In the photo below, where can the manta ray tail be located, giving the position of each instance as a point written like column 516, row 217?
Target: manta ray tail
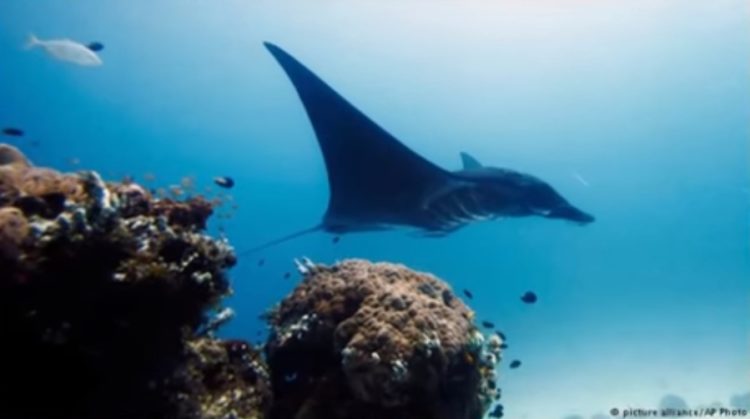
column 281, row 240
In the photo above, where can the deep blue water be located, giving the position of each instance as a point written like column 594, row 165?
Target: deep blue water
column 647, row 100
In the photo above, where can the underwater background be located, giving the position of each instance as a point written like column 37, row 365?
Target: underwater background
column 637, row 111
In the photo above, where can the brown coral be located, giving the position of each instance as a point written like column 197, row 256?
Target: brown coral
column 40, row 181
column 34, row 190
column 100, row 294
column 13, row 231
column 11, row 156
column 379, row 339
column 12, row 164
column 192, row 213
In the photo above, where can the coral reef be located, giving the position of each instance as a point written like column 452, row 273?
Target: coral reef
column 221, row 380
column 110, row 297
column 363, row 340
column 104, row 292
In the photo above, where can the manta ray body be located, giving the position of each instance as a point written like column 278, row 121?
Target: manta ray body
column 377, row 183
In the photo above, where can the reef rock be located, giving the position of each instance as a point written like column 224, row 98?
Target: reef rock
column 104, row 291
column 359, row 340
column 221, row 380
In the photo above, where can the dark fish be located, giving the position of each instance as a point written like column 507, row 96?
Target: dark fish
column 488, row 325
column 501, row 334
column 287, row 275
column 95, row 46
column 503, row 346
column 468, row 294
column 224, row 181
column 447, row 297
column 497, row 412
column 261, row 262
column 529, row 297
column 336, row 239
column 515, row 364
column 13, row 132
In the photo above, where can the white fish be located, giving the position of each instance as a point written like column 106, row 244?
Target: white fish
column 580, row 179
column 66, row 50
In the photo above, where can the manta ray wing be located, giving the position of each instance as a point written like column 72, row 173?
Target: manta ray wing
column 374, row 179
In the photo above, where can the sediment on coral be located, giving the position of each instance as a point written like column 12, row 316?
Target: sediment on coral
column 102, row 291
column 363, row 340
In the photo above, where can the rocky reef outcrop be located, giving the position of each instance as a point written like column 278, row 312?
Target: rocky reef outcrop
column 109, row 297
column 105, row 298
column 377, row 340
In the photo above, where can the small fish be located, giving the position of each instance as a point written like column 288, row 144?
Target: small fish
column 187, row 183
column 515, row 364
column 74, row 161
column 580, row 179
column 287, row 275
column 175, row 191
column 261, row 262
column 503, row 346
column 501, row 334
column 224, row 181
column 95, row 46
column 488, row 325
column 220, row 319
column 13, row 132
column 336, row 239
column 468, row 294
column 66, row 50
column 529, row 297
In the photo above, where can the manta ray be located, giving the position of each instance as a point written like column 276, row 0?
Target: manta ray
column 377, row 183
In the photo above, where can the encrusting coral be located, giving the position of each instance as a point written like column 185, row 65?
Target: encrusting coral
column 363, row 340
column 103, row 292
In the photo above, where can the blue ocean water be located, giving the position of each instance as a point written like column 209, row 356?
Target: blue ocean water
column 645, row 100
